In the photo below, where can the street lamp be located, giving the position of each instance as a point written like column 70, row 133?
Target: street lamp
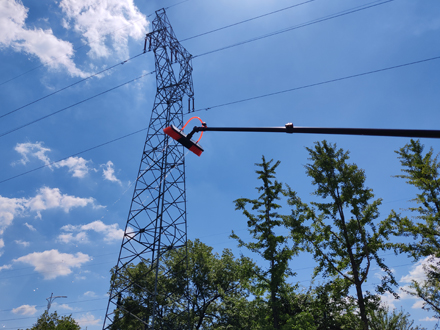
column 51, row 299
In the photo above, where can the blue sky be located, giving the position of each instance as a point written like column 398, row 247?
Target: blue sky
column 60, row 226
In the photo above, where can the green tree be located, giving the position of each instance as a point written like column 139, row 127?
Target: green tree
column 203, row 287
column 383, row 319
column 271, row 247
column 342, row 236
column 54, row 322
column 421, row 171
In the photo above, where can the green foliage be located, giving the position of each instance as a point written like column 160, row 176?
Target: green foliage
column 203, row 287
column 383, row 319
column 54, row 322
column 421, row 171
column 342, row 236
column 429, row 289
column 270, row 246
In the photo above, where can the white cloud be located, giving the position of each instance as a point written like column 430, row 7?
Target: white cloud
column 387, row 300
column 45, row 199
column 25, row 310
column 23, row 243
column 51, row 198
column 70, row 238
column 90, row 294
column 110, row 232
column 5, row 267
column 32, row 228
column 34, row 150
column 104, row 22
column 109, row 173
column 9, row 209
column 52, row 263
column 87, row 319
column 77, row 166
column 429, row 319
column 418, row 304
column 417, row 273
column 52, row 52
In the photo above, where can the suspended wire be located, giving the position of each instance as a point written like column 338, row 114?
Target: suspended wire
column 319, row 20
column 176, row 4
column 73, row 155
column 235, row 102
column 75, row 83
column 75, row 104
column 77, row 48
column 320, row 83
column 220, row 49
column 247, row 20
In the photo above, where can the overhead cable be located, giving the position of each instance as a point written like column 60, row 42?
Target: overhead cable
column 72, row 105
column 241, row 101
column 75, row 83
column 223, row 48
column 247, row 20
column 320, row 83
column 319, row 20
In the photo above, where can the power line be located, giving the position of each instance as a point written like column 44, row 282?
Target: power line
column 224, row 104
column 76, row 154
column 75, row 83
column 319, row 20
column 320, row 83
column 350, row 11
column 247, row 20
column 76, row 48
column 72, row 105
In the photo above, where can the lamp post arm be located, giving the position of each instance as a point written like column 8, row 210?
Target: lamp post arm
column 289, row 128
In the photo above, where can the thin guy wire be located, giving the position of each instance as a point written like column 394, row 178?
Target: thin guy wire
column 319, row 83
column 72, row 105
column 73, row 155
column 247, row 20
column 220, row 49
column 75, row 83
column 245, row 100
column 77, row 48
column 347, row 12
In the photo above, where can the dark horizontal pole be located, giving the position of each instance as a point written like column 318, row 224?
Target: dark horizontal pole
column 414, row 133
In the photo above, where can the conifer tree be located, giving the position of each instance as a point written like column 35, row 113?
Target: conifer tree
column 273, row 248
column 342, row 235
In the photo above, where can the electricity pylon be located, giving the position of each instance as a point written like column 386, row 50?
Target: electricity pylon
column 156, row 224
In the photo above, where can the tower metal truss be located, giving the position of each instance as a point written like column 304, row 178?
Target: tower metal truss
column 156, row 229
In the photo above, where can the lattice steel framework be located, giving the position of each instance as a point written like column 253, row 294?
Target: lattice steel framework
column 156, row 224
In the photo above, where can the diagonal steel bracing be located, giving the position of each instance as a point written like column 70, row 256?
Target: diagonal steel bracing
column 156, row 224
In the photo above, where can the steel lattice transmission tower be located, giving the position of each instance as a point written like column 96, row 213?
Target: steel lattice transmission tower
column 156, row 225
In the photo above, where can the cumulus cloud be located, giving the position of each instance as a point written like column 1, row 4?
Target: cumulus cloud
column 105, row 22
column 51, row 198
column 110, row 232
column 22, row 243
column 51, row 51
column 429, row 319
column 25, row 310
column 36, row 150
column 5, row 267
column 45, row 199
column 109, row 173
column 76, row 165
column 88, row 319
column 9, row 209
column 30, row 227
column 52, row 263
column 90, row 294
